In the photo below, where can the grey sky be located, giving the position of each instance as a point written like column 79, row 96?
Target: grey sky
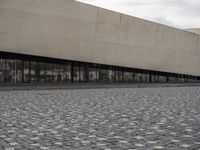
column 176, row 13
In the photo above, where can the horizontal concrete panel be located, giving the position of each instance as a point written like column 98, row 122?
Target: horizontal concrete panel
column 49, row 26
column 9, row 42
column 140, row 56
column 107, row 16
column 67, row 8
column 194, row 30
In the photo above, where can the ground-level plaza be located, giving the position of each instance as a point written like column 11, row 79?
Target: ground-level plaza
column 101, row 119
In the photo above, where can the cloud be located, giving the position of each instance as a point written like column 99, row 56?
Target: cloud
column 176, row 13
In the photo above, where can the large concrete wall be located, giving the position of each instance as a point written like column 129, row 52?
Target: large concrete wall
column 194, row 30
column 71, row 30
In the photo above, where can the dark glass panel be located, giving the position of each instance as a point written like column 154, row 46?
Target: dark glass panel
column 181, row 78
column 10, row 72
column 82, row 74
column 133, row 77
column 63, row 73
column 105, row 75
column 42, row 72
column 164, row 78
column 69, row 66
column 116, row 75
column 136, row 77
column 26, row 71
column 2, row 70
column 120, row 76
column 57, row 76
column 126, row 76
column 100, row 73
column 18, row 71
column 111, row 72
column 129, row 77
column 76, row 72
column 92, row 74
column 186, row 79
column 143, row 77
column 33, row 72
column 156, row 78
column 49, row 72
column 146, row 76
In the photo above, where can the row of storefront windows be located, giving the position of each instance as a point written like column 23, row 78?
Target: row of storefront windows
column 23, row 71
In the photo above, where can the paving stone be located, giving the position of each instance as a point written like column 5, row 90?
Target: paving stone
column 11, row 148
column 109, row 119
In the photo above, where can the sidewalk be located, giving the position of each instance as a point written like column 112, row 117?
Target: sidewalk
column 54, row 86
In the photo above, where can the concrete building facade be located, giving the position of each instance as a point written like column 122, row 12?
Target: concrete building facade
column 68, row 41
column 194, row 30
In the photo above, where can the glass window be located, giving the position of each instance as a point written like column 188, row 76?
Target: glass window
column 136, row 77
column 33, row 72
column 18, row 71
column 116, row 75
column 105, row 74
column 69, row 75
column 147, row 79
column 57, row 76
column 76, row 72
column 2, row 70
column 49, row 72
column 120, row 76
column 42, row 72
column 92, row 74
column 129, row 77
column 111, row 75
column 126, row 77
column 26, row 71
column 63, row 73
column 82, row 73
column 133, row 77
column 163, row 78
column 98, row 74
column 10, row 71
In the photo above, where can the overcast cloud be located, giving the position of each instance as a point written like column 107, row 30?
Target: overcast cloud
column 176, row 13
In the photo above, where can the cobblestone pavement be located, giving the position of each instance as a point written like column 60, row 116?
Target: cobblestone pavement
column 103, row 119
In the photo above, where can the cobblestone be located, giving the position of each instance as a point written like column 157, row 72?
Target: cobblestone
column 101, row 119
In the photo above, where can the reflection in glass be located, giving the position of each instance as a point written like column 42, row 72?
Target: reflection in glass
column 82, row 73
column 49, row 72
column 76, row 72
column 57, row 76
column 18, row 71
column 33, row 72
column 92, row 74
column 41, row 72
column 69, row 65
column 2, row 70
column 10, row 71
column 63, row 73
column 26, row 71
column 120, row 76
